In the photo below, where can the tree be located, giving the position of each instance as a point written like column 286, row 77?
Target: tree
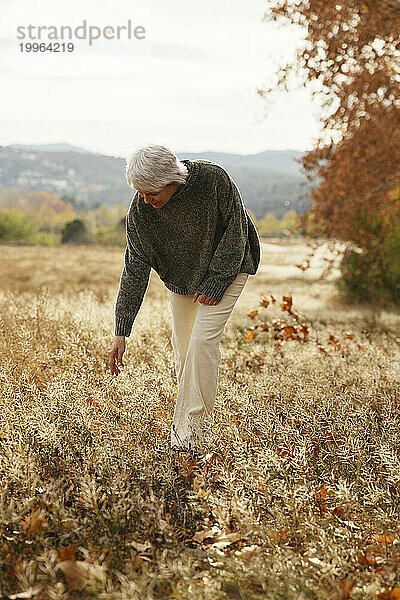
column 289, row 220
column 75, row 232
column 269, row 225
column 15, row 225
column 351, row 57
column 45, row 209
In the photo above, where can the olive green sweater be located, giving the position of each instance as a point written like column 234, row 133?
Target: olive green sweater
column 199, row 241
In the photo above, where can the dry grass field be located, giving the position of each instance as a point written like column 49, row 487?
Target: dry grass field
column 299, row 497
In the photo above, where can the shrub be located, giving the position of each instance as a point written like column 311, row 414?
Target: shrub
column 75, row 232
column 110, row 236
column 373, row 274
column 391, row 257
column 14, row 225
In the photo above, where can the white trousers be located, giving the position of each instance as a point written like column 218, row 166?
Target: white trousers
column 196, row 333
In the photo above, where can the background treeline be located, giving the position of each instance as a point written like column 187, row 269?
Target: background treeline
column 270, row 181
column 41, row 217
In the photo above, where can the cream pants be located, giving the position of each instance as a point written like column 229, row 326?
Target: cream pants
column 196, row 333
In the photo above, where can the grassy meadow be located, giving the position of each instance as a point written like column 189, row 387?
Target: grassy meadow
column 299, row 497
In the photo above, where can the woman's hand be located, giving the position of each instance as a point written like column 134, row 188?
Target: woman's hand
column 204, row 299
column 115, row 354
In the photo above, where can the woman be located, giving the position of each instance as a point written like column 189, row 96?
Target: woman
column 187, row 221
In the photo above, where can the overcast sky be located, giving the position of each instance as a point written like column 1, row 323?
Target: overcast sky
column 189, row 84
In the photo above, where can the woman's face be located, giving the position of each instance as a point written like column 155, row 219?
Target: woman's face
column 158, row 199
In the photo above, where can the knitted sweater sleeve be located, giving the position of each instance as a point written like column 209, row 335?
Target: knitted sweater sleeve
column 133, row 282
column 228, row 256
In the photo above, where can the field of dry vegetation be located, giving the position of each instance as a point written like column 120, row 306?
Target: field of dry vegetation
column 299, row 497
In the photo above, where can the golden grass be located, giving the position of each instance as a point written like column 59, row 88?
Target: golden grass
column 300, row 498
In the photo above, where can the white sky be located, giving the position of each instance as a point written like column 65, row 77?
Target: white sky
column 190, row 84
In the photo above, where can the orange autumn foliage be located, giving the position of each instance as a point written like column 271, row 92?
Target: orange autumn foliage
column 351, row 57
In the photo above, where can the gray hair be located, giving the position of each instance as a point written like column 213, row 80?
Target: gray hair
column 152, row 167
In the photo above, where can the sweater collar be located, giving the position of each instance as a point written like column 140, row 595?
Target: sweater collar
column 193, row 167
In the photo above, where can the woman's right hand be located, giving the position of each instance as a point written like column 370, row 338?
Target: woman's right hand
column 115, row 354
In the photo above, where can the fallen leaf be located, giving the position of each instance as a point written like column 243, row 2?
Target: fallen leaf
column 338, row 510
column 366, row 558
column 34, row 522
column 252, row 314
column 66, row 553
column 389, row 594
column 319, row 498
column 345, row 588
column 383, row 539
column 277, row 535
column 282, row 534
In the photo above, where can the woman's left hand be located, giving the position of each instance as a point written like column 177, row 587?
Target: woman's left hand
column 203, row 299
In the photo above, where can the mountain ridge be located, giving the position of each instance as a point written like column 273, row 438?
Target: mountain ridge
column 269, row 181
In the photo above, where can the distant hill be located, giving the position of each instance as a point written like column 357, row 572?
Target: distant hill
column 281, row 161
column 269, row 181
column 49, row 147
